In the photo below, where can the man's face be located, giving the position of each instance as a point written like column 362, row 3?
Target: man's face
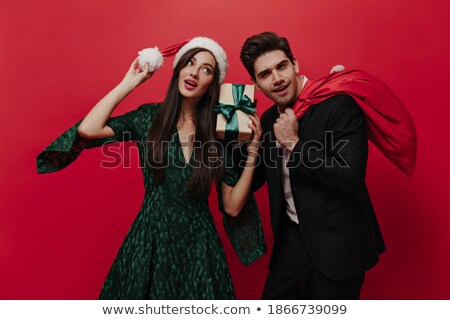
column 275, row 76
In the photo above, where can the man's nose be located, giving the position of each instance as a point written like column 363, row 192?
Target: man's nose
column 276, row 76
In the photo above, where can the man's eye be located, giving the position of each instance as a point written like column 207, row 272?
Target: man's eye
column 283, row 66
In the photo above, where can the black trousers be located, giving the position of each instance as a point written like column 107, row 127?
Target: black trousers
column 294, row 276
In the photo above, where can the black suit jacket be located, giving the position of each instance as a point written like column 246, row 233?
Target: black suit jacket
column 327, row 175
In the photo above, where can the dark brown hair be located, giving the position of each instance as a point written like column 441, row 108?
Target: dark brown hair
column 259, row 44
column 204, row 170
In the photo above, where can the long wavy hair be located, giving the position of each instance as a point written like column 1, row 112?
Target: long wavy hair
column 204, row 170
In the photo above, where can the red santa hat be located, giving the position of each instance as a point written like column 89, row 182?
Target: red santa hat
column 155, row 58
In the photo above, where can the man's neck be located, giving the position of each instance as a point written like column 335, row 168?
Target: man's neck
column 300, row 83
column 281, row 109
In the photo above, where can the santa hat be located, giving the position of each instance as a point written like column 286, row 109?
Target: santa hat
column 155, row 58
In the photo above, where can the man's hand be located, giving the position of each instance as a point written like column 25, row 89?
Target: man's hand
column 286, row 129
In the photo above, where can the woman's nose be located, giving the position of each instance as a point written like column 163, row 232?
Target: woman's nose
column 193, row 72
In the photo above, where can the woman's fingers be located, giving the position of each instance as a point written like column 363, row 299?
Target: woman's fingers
column 135, row 65
column 255, row 121
column 146, row 67
column 256, row 127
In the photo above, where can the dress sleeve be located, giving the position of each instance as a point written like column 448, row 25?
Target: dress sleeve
column 245, row 230
column 230, row 174
column 131, row 126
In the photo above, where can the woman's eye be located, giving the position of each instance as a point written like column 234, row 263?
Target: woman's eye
column 206, row 70
column 190, row 63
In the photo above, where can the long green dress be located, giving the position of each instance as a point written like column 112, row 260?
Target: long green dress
column 172, row 250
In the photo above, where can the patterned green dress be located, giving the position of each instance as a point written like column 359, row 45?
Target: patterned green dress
column 172, row 250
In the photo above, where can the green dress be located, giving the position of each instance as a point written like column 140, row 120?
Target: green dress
column 172, row 250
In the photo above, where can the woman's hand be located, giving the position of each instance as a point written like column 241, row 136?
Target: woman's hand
column 253, row 144
column 135, row 76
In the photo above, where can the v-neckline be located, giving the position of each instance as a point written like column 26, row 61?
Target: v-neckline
column 181, row 147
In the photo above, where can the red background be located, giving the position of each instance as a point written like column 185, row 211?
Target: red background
column 60, row 232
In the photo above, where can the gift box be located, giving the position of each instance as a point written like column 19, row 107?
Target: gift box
column 236, row 102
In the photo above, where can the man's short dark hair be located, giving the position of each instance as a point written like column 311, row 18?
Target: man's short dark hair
column 259, row 44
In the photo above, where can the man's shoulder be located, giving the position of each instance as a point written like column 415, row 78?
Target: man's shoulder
column 338, row 103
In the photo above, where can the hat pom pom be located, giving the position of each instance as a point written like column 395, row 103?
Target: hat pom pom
column 152, row 56
column 337, row 68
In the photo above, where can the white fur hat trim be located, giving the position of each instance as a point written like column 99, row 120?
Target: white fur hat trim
column 210, row 45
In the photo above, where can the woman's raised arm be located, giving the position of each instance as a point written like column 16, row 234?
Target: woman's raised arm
column 94, row 124
column 234, row 198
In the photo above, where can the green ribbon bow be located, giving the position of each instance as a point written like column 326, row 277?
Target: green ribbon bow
column 241, row 102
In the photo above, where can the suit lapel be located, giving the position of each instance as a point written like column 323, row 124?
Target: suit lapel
column 275, row 152
column 303, row 121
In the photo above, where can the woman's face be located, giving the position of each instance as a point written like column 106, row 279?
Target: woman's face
column 196, row 77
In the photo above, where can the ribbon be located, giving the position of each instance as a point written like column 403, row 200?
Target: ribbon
column 241, row 102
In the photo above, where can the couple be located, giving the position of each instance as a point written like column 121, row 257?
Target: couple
column 325, row 231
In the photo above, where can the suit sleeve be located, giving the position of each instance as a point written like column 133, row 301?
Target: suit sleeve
column 339, row 160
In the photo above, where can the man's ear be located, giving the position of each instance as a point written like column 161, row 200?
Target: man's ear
column 296, row 68
column 256, row 85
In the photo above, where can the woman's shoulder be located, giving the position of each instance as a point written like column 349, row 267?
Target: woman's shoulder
column 149, row 108
column 139, row 119
column 147, row 112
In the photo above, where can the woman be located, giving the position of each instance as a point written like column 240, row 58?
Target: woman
column 172, row 250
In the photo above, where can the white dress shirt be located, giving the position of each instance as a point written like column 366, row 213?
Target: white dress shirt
column 291, row 212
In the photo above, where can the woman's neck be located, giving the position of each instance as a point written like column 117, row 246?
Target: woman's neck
column 187, row 111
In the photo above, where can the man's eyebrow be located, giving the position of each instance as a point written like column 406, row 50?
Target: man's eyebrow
column 281, row 63
column 262, row 72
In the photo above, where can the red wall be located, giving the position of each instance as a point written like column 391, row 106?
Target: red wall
column 60, row 232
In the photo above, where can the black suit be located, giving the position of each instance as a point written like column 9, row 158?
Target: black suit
column 336, row 218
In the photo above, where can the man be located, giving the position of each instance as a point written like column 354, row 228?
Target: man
column 325, row 231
